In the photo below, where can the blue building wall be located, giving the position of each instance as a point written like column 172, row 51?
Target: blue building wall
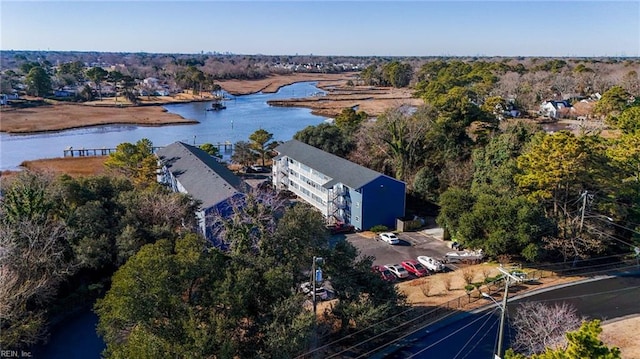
column 355, row 209
column 383, row 202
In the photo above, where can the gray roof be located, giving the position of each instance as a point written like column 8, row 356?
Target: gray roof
column 200, row 173
column 341, row 170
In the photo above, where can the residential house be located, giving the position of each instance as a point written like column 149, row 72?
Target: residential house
column 342, row 191
column 188, row 169
column 555, row 109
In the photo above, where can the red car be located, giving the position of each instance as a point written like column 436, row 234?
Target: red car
column 415, row 268
column 384, row 273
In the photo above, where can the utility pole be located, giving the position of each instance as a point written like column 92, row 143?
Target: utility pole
column 507, row 277
column 584, row 206
column 316, row 276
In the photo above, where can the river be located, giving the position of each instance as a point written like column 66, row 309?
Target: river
column 243, row 116
column 76, row 337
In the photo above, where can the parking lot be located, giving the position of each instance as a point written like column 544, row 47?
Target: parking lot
column 412, row 245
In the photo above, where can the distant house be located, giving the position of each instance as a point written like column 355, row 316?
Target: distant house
column 342, row 191
column 188, row 169
column 555, row 109
column 64, row 93
column 5, row 98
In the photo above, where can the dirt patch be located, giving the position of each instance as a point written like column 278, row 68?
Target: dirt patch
column 624, row 335
column 445, row 287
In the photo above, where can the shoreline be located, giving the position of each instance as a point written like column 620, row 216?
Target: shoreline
column 150, row 112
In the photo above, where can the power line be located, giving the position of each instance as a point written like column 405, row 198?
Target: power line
column 423, row 327
column 434, row 310
column 473, row 336
column 432, row 345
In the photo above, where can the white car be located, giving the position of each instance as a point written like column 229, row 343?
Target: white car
column 431, row 263
column 389, row 237
column 397, row 270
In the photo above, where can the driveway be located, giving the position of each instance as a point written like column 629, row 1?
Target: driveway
column 412, row 245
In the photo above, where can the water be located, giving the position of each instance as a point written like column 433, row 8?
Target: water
column 243, row 116
column 76, row 337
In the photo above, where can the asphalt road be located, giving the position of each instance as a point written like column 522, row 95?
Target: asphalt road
column 473, row 335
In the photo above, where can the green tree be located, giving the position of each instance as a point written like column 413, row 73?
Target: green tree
column 97, row 75
column 403, row 137
column 38, row 82
column 326, row 137
column 260, row 143
column 495, row 163
column 364, row 298
column 243, row 153
column 116, row 77
column 397, row 74
column 128, row 87
column 553, row 167
column 612, row 102
column 629, row 120
column 349, row 120
column 624, row 153
column 135, row 161
column 504, row 224
column 583, row 343
column 211, row 149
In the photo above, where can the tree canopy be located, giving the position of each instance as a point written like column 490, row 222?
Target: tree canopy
column 38, row 82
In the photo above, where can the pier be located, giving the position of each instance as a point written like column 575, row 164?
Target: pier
column 223, row 147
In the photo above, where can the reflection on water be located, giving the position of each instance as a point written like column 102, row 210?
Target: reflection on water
column 243, row 116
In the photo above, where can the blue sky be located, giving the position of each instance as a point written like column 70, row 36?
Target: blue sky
column 359, row 28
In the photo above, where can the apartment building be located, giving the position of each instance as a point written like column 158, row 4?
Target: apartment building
column 341, row 190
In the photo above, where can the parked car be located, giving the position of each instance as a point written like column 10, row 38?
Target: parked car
column 397, row 270
column 385, row 273
column 389, row 237
column 321, row 291
column 341, row 228
column 415, row 268
column 431, row 263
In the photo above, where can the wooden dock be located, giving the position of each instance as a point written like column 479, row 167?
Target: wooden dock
column 223, row 147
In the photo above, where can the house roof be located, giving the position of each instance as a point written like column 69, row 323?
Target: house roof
column 339, row 169
column 200, row 174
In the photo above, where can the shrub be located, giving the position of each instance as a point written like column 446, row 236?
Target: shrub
column 379, row 228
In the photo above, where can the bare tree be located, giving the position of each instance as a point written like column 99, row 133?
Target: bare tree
column 426, row 287
column 539, row 326
column 32, row 265
column 467, row 275
column 447, row 280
